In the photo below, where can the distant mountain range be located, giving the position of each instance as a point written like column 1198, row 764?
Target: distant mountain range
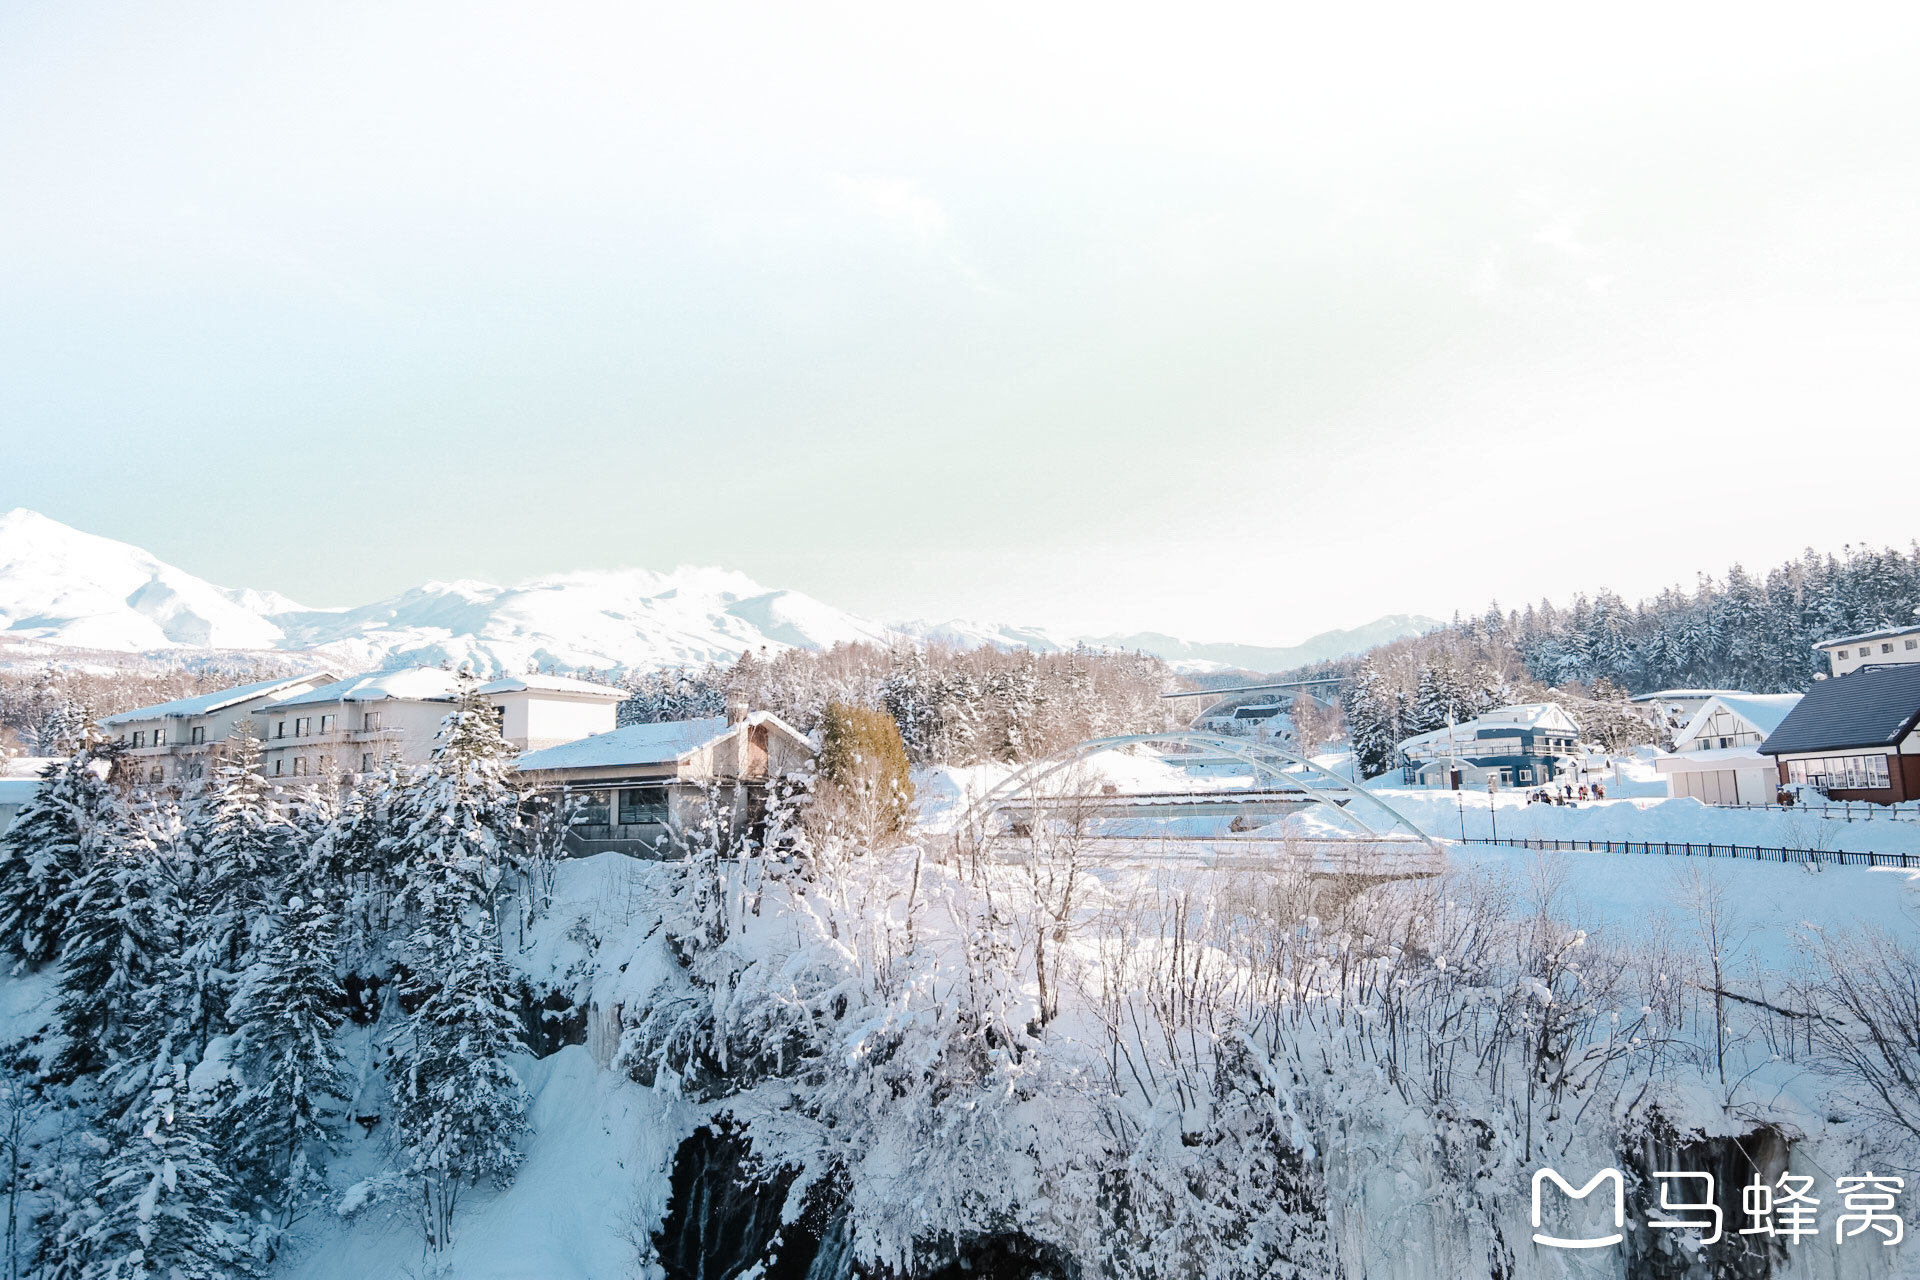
column 1184, row 655
column 62, row 587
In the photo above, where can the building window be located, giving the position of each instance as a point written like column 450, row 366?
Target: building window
column 140, row 739
column 302, row 725
column 299, row 766
column 276, row 767
column 1913, row 644
column 326, row 766
column 159, row 737
column 198, row 734
column 640, row 806
column 1886, row 648
column 370, row 721
column 159, row 774
column 280, row 729
column 1841, row 773
column 366, row 762
column 326, row 724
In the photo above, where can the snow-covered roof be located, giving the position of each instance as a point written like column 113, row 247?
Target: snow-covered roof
column 1763, row 711
column 553, row 684
column 635, row 744
column 415, row 684
column 1888, row 633
column 1680, row 695
column 1525, row 715
column 207, row 703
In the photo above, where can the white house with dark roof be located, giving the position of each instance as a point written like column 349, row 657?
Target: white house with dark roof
column 1893, row 646
column 168, row 742
column 352, row 725
column 1716, row 755
column 635, row 789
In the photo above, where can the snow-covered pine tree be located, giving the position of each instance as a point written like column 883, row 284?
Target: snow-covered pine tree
column 241, row 843
column 123, row 930
column 459, row 1107
column 457, row 816
column 286, row 1010
column 166, row 1207
column 1372, row 720
column 52, row 842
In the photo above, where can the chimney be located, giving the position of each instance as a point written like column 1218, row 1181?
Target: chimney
column 736, row 709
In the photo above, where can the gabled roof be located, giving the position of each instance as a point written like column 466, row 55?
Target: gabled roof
column 553, row 684
column 219, row 700
column 1764, row 711
column 636, row 744
column 417, row 684
column 1873, row 707
column 646, row 744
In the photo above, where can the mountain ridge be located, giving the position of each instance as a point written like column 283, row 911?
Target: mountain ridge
column 68, row 588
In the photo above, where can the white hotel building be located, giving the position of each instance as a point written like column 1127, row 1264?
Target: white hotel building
column 316, row 726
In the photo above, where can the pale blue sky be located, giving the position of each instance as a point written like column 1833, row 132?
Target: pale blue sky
column 1239, row 323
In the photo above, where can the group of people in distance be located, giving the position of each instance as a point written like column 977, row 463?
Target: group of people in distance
column 1567, row 793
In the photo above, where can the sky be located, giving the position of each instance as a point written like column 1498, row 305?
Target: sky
column 1237, row 323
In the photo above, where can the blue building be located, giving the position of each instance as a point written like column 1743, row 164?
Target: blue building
column 1526, row 745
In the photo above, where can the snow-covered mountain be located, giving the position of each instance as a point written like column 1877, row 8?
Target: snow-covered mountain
column 1187, row 655
column 66, row 587
column 61, row 586
column 1183, row 655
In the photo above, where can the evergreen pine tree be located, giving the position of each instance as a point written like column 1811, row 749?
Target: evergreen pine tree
column 459, row 1108
column 52, row 842
column 123, row 931
column 240, row 844
column 166, row 1207
column 286, row 1010
column 457, row 816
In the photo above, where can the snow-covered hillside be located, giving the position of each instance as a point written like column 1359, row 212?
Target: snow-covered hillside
column 71, row 588
column 61, row 586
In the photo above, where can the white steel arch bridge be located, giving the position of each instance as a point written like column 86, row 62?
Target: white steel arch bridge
column 1363, row 835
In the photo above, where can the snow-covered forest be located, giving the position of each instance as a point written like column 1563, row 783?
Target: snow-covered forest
column 1738, row 632
column 953, row 706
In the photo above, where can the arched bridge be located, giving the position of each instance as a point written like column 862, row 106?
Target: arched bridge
column 1360, row 829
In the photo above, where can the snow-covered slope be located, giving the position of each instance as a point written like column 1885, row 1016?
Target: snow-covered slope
column 61, row 586
column 618, row 618
column 66, row 587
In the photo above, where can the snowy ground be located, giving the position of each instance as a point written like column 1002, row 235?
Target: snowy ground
column 594, row 1181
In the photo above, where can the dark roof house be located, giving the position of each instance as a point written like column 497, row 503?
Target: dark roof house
column 1854, row 736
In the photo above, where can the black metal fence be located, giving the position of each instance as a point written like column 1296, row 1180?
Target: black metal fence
column 1679, row 849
